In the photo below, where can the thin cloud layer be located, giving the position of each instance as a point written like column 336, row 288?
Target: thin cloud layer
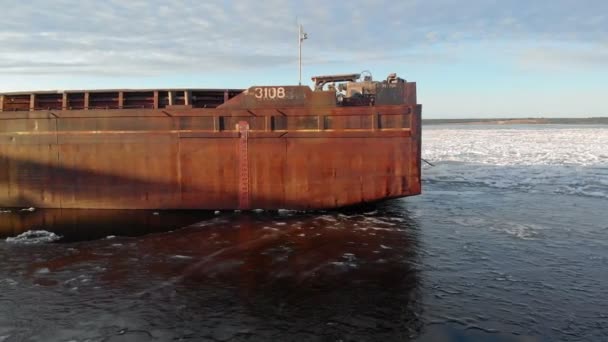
column 156, row 37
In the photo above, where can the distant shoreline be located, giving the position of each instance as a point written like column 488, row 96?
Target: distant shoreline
column 520, row 121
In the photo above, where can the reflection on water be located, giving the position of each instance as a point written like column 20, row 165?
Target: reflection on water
column 348, row 275
column 80, row 225
column 451, row 265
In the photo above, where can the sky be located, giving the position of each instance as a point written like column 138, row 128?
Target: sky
column 469, row 58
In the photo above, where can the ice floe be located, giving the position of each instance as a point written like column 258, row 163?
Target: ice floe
column 33, row 237
column 572, row 161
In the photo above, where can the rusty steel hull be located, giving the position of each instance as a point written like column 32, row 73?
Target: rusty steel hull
column 241, row 154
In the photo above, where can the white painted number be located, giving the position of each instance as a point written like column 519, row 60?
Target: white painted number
column 270, row 93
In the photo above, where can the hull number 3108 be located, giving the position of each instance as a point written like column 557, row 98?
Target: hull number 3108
column 269, row 93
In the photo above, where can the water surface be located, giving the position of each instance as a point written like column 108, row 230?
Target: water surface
column 507, row 243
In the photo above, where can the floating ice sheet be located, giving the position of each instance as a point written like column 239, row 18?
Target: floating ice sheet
column 572, row 161
column 33, row 237
column 548, row 145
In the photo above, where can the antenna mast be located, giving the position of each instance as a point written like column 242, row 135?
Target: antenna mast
column 301, row 36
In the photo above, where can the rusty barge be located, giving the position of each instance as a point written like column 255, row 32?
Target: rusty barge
column 348, row 140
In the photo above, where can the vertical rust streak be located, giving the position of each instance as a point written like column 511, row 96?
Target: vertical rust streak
column 243, row 155
column 32, row 102
column 121, row 99
column 1, row 103
column 156, row 99
column 415, row 170
column 179, row 169
column 268, row 123
column 64, row 101
column 58, row 149
column 86, row 100
column 226, row 96
column 285, row 171
column 171, row 98
column 216, row 123
column 187, row 97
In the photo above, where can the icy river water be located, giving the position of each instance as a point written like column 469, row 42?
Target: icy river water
column 509, row 242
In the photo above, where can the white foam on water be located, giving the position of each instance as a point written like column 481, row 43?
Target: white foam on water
column 178, row 256
column 289, row 212
column 32, row 237
column 519, row 230
column 379, row 221
column 83, row 279
column 343, row 264
column 327, row 218
column 44, row 270
column 523, row 231
column 208, row 223
column 571, row 161
column 9, row 282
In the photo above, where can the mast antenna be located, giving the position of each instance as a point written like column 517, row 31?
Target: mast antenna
column 301, row 37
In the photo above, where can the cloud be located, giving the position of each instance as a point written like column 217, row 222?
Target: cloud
column 154, row 37
column 564, row 58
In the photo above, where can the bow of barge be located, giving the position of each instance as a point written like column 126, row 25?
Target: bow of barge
column 348, row 140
